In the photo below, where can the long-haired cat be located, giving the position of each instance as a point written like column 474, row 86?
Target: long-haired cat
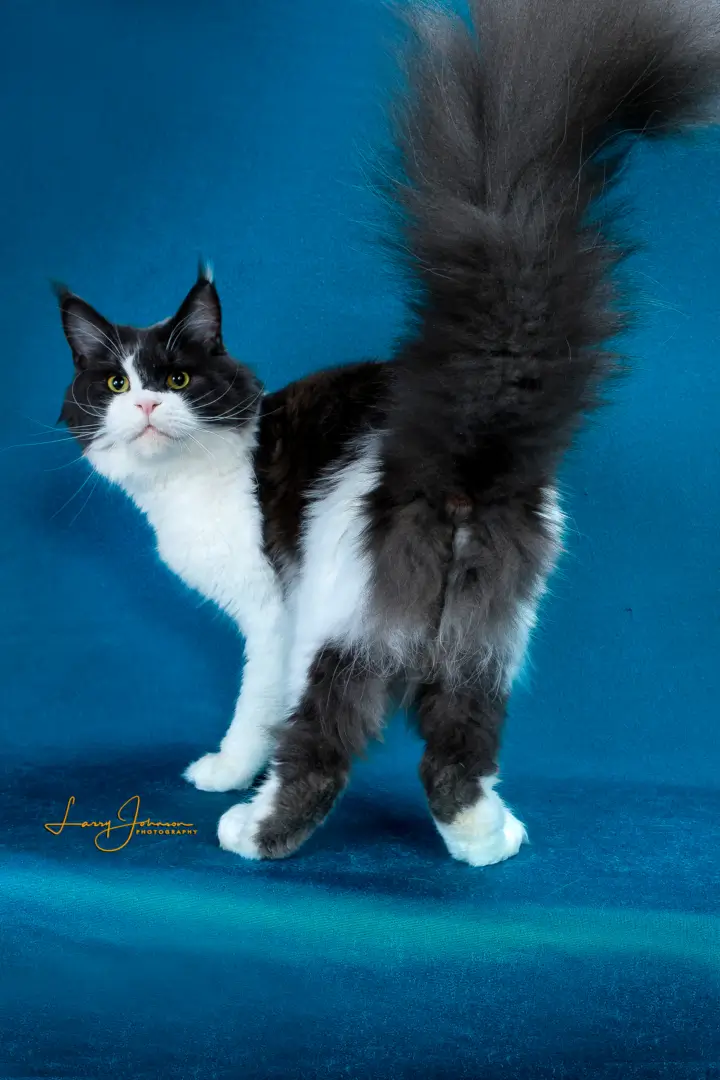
column 396, row 522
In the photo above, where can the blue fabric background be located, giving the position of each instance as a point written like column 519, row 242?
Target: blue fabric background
column 136, row 135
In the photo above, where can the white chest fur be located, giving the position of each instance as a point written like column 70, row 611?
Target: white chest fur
column 208, row 525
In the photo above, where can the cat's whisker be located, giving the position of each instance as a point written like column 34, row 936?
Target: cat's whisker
column 55, row 429
column 66, row 464
column 220, row 396
column 61, row 433
column 91, row 411
column 75, row 494
column 236, row 412
column 76, row 429
column 226, row 418
column 47, row 427
column 32, row 445
column 201, row 445
column 227, row 421
column 85, row 502
column 223, row 438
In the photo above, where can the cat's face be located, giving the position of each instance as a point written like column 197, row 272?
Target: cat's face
column 142, row 398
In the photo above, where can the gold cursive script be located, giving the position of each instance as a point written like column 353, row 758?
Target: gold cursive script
column 132, row 825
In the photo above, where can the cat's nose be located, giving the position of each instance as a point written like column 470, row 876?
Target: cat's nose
column 147, row 406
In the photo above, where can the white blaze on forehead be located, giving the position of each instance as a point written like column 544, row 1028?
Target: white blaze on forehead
column 131, row 370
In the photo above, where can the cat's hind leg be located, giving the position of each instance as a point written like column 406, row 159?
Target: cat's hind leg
column 461, row 728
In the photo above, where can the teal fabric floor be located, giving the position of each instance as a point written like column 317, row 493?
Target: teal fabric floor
column 134, row 137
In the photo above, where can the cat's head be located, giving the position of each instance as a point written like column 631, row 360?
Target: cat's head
column 140, row 398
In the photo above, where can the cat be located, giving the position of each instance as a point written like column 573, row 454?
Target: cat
column 394, row 523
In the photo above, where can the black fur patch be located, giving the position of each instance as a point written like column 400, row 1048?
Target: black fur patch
column 306, row 429
column 461, row 727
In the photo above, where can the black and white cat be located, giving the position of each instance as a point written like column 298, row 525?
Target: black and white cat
column 394, row 524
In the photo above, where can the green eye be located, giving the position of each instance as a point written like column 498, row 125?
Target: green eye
column 119, row 384
column 178, row 380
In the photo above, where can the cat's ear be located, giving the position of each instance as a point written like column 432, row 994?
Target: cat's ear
column 88, row 334
column 199, row 317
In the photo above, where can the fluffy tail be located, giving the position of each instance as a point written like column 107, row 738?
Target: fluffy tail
column 512, row 130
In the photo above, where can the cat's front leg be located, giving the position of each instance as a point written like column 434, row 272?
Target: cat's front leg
column 248, row 744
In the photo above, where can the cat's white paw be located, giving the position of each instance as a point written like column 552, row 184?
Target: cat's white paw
column 236, row 830
column 220, row 772
column 238, row 827
column 485, row 833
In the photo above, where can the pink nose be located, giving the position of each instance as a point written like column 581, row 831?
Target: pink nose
column 147, row 406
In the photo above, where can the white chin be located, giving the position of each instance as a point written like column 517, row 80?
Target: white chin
column 121, row 461
column 151, row 443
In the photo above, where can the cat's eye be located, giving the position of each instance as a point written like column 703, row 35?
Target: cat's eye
column 119, row 384
column 178, row 380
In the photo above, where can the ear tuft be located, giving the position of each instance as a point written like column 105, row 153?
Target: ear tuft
column 60, row 290
column 205, row 271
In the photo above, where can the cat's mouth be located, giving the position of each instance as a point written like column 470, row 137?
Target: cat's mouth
column 150, row 433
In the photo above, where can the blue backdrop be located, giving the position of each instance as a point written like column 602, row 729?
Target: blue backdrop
column 136, row 135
